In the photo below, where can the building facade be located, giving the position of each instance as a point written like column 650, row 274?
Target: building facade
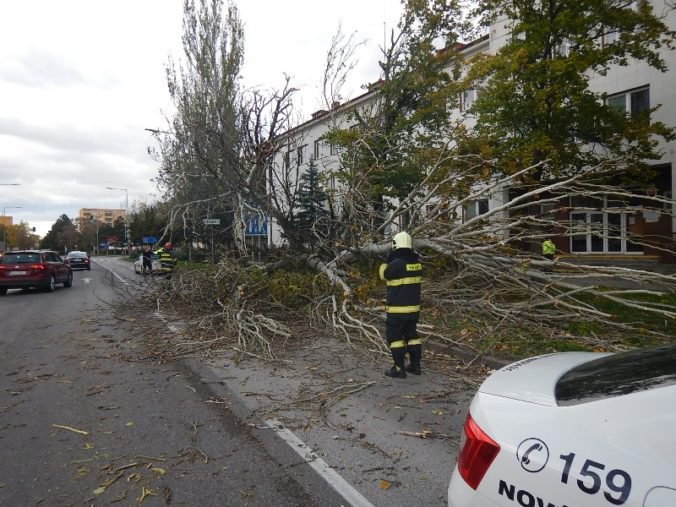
column 596, row 226
column 102, row 215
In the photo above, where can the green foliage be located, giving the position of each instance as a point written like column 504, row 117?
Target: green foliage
column 535, row 103
column 311, row 219
column 391, row 146
column 62, row 233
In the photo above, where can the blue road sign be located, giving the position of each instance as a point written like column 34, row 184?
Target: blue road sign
column 256, row 224
column 149, row 239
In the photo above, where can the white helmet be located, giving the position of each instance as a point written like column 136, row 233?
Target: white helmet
column 401, row 240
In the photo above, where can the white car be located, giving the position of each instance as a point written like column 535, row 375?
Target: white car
column 138, row 264
column 573, row 429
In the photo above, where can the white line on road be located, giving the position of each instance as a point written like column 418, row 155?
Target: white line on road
column 335, row 480
column 86, row 280
column 114, row 273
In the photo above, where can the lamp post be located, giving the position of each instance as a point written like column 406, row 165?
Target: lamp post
column 4, row 225
column 126, row 207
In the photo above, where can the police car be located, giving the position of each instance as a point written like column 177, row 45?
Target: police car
column 573, row 429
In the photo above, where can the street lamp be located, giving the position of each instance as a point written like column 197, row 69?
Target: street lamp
column 4, row 225
column 126, row 208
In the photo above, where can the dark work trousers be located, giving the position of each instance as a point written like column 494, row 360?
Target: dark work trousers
column 402, row 335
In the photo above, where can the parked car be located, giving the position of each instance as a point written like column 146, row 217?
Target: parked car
column 78, row 260
column 22, row 269
column 138, row 264
column 572, row 429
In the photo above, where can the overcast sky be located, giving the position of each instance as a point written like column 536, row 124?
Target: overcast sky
column 80, row 80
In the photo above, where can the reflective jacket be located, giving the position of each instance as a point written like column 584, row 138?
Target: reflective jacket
column 167, row 261
column 548, row 247
column 403, row 276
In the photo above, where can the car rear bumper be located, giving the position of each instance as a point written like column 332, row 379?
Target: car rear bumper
column 461, row 495
column 23, row 283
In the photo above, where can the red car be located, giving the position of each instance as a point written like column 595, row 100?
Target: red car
column 24, row 269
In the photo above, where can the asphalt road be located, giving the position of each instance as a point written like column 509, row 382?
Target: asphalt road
column 88, row 417
column 84, row 420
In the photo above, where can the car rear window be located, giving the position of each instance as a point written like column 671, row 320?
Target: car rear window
column 617, row 375
column 22, row 258
column 77, row 254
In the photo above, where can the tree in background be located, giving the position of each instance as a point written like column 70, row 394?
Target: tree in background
column 535, row 105
column 200, row 152
column 312, row 215
column 404, row 138
column 62, row 233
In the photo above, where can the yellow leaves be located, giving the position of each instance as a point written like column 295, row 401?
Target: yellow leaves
column 104, row 486
column 145, row 492
column 158, row 471
column 130, row 424
column 438, row 412
column 384, row 485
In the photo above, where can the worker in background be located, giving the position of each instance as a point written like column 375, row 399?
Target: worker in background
column 548, row 250
column 402, row 274
column 167, row 260
column 148, row 261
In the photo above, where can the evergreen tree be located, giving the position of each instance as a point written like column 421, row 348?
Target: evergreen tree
column 312, row 215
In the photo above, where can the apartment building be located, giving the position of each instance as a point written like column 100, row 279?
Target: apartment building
column 599, row 227
column 102, row 215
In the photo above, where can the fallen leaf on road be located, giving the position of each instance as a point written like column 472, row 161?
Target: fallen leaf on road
column 385, row 484
column 147, row 492
column 438, row 412
column 102, row 489
column 159, row 471
column 130, row 424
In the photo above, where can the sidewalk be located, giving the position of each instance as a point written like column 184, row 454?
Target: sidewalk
column 393, row 440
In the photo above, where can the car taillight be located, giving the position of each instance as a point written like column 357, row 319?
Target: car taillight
column 477, row 454
column 38, row 267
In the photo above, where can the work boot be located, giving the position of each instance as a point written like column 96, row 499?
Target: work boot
column 399, row 359
column 415, row 353
column 396, row 372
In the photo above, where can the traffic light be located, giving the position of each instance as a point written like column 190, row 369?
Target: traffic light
column 33, row 228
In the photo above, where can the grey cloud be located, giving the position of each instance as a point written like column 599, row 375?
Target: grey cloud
column 40, row 69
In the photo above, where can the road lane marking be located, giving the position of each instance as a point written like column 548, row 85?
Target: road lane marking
column 114, row 273
column 333, row 478
column 86, row 280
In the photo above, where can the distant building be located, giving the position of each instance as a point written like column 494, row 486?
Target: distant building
column 103, row 215
column 7, row 220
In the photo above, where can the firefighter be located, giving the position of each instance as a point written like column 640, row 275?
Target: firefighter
column 402, row 274
column 167, row 260
column 548, row 249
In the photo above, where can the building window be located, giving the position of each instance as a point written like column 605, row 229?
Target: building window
column 475, row 208
column 317, row 149
column 333, row 149
column 610, row 37
column 613, row 36
column 300, row 154
column 467, row 98
column 634, row 102
column 563, row 49
column 287, row 160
